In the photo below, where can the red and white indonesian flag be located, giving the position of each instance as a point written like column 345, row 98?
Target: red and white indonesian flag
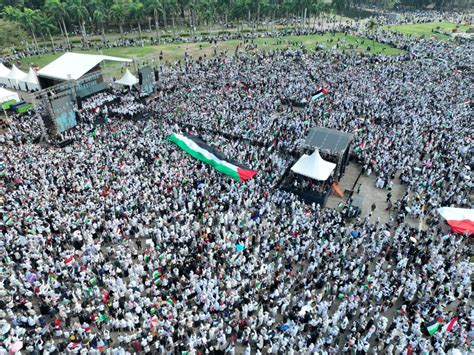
column 461, row 220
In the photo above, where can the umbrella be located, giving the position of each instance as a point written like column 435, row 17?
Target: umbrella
column 16, row 346
column 4, row 328
column 355, row 233
column 22, row 240
column 387, row 233
column 239, row 247
column 305, row 309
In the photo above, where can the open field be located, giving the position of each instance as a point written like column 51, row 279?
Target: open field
column 176, row 51
column 426, row 29
column 15, row 36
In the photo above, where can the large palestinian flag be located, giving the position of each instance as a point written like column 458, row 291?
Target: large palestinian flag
column 207, row 154
column 320, row 94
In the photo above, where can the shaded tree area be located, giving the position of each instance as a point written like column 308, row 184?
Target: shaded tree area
column 44, row 19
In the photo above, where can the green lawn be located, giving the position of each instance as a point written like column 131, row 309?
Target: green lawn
column 426, row 29
column 175, row 51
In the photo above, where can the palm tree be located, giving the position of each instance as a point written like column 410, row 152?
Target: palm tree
column 119, row 13
column 135, row 12
column 372, row 26
column 156, row 6
column 224, row 7
column 30, row 18
column 207, row 11
column 317, row 8
column 100, row 16
column 79, row 12
column 47, row 27
column 27, row 19
column 172, row 8
column 57, row 10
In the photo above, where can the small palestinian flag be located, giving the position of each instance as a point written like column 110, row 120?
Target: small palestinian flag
column 69, row 260
column 8, row 221
column 205, row 153
column 104, row 318
column 448, row 327
column 170, row 302
column 320, row 94
column 29, row 218
column 370, row 282
column 434, row 326
column 86, row 219
column 146, row 257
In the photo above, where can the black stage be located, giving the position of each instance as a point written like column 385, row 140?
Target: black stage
column 334, row 146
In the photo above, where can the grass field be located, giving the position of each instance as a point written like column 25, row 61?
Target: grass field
column 426, row 29
column 175, row 51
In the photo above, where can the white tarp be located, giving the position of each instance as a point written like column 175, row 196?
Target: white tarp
column 4, row 72
column 128, row 79
column 7, row 95
column 314, row 167
column 74, row 65
column 15, row 77
column 31, row 81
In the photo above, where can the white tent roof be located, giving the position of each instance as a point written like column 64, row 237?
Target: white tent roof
column 4, row 71
column 16, row 74
column 7, row 95
column 31, row 78
column 128, row 79
column 75, row 65
column 314, row 167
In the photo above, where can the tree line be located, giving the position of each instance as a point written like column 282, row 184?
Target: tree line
column 47, row 18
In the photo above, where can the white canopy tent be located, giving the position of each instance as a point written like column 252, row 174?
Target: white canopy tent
column 128, row 79
column 314, row 167
column 15, row 77
column 4, row 72
column 31, row 82
column 72, row 66
column 7, row 95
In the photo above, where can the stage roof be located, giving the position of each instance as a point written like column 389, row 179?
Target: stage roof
column 328, row 139
column 75, row 65
column 314, row 167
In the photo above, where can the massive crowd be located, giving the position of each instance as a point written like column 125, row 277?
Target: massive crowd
column 121, row 241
